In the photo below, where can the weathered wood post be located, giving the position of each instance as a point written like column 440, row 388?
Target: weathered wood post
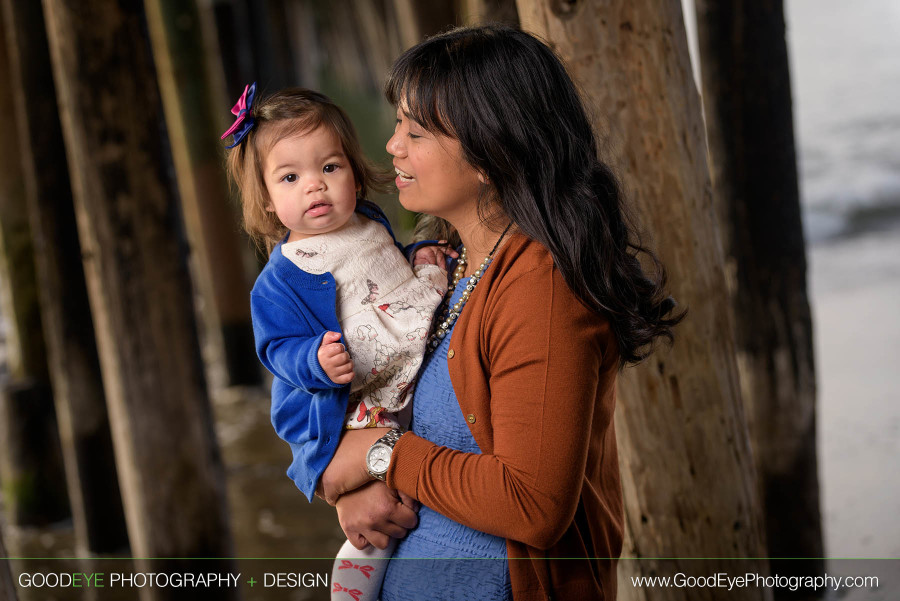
column 489, row 11
column 420, row 18
column 135, row 262
column 212, row 221
column 31, row 462
column 687, row 469
column 749, row 125
column 93, row 485
column 7, row 582
column 265, row 23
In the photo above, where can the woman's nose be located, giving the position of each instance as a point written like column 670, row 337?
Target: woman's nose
column 395, row 145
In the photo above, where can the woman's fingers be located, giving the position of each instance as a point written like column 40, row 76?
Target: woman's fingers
column 403, row 516
column 408, row 501
column 379, row 540
column 374, row 512
column 385, row 530
column 358, row 541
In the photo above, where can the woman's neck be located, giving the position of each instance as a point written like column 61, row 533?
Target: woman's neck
column 478, row 239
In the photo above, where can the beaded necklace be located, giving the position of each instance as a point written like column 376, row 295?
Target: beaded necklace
column 450, row 314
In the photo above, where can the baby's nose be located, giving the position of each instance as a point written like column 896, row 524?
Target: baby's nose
column 314, row 184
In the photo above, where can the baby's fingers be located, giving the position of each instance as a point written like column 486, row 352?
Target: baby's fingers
column 447, row 250
column 335, row 349
column 330, row 337
column 342, row 375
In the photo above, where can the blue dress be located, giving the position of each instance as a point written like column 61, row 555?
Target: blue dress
column 441, row 559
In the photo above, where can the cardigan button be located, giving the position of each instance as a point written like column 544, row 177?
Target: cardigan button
column 470, row 418
column 450, row 354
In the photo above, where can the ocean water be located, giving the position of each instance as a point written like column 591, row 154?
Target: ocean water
column 845, row 72
column 845, row 79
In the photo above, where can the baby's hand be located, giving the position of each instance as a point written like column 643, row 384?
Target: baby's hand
column 434, row 255
column 335, row 359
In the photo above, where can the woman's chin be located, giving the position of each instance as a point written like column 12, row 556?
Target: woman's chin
column 408, row 202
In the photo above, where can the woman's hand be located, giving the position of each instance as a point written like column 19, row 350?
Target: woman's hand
column 347, row 470
column 375, row 513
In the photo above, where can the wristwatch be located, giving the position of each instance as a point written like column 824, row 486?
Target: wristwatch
column 378, row 457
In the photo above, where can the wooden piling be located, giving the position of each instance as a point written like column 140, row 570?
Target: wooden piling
column 170, row 468
column 93, row 484
column 30, row 459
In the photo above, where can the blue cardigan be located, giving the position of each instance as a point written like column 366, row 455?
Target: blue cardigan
column 291, row 311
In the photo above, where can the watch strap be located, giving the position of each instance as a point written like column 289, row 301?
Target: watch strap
column 388, row 440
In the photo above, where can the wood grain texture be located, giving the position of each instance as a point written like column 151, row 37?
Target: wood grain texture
column 687, row 470
column 210, row 218
column 140, row 294
column 84, row 433
column 747, row 99
column 31, row 462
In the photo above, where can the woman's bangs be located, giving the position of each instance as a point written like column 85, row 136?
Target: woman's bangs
column 415, row 82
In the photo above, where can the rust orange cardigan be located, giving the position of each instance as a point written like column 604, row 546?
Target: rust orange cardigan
column 534, row 371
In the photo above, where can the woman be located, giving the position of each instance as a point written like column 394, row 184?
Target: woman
column 512, row 449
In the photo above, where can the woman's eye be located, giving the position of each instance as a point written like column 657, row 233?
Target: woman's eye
column 330, row 168
column 289, row 178
column 413, row 136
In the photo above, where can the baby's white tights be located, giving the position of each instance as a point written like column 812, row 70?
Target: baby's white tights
column 357, row 575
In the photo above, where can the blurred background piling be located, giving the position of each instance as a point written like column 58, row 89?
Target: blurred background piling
column 134, row 413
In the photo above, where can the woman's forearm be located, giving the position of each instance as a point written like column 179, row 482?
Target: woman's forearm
column 347, row 469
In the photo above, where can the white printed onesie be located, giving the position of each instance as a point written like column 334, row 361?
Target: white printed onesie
column 385, row 309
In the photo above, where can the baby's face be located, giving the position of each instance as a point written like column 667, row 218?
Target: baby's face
column 310, row 183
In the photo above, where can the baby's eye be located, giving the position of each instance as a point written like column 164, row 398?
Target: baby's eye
column 330, row 168
column 289, row 178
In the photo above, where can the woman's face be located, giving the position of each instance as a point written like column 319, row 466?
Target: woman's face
column 432, row 175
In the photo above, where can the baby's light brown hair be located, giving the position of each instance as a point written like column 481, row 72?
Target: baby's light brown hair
column 290, row 112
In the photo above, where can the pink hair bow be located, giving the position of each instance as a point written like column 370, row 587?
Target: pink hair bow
column 244, row 121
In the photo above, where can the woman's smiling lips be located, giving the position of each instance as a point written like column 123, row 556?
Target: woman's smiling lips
column 318, row 208
column 403, row 178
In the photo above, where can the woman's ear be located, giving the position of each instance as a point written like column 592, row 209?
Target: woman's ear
column 483, row 178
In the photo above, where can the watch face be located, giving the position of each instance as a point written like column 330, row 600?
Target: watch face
column 378, row 459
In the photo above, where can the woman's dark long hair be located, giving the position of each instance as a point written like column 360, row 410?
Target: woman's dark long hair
column 508, row 100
